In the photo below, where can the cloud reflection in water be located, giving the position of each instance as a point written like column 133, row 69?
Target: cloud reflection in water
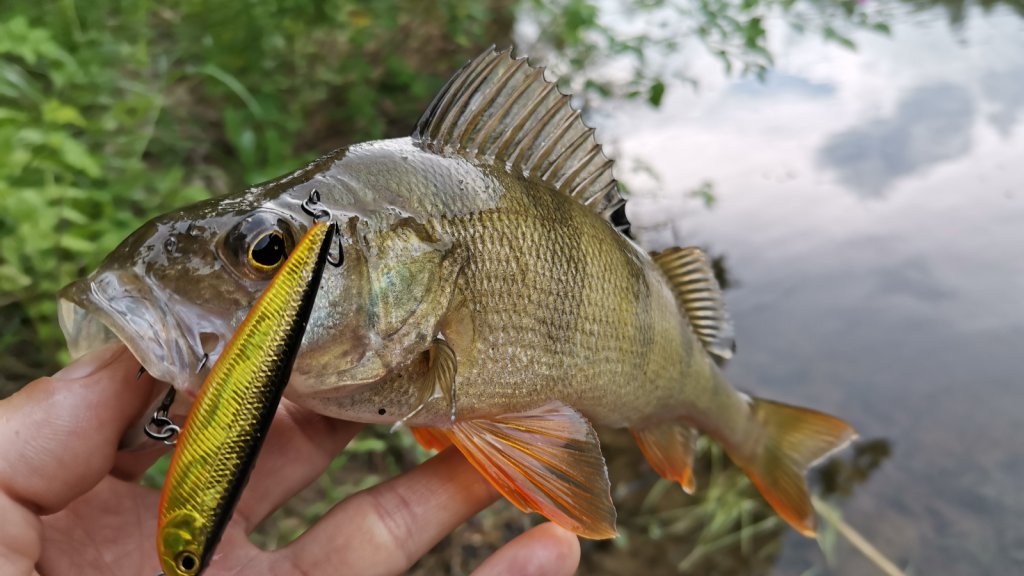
column 932, row 124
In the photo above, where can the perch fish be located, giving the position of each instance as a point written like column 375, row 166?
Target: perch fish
column 486, row 301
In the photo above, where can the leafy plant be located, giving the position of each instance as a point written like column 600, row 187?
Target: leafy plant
column 645, row 36
column 114, row 112
column 74, row 132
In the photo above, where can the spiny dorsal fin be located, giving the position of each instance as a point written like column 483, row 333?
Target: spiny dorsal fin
column 500, row 110
column 692, row 278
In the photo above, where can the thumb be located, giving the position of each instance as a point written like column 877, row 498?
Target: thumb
column 58, row 435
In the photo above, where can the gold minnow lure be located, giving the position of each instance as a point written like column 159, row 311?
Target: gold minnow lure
column 235, row 406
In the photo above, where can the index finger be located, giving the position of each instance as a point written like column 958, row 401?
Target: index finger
column 59, row 434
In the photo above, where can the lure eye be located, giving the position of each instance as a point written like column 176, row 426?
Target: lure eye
column 268, row 251
column 187, row 562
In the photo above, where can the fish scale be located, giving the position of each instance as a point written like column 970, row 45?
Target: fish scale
column 596, row 344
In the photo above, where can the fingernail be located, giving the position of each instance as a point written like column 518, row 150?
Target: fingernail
column 90, row 363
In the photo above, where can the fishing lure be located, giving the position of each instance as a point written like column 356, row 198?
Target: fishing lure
column 218, row 444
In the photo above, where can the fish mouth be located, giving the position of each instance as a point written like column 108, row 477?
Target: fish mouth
column 175, row 345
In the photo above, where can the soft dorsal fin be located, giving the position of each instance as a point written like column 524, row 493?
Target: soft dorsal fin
column 692, row 278
column 500, row 110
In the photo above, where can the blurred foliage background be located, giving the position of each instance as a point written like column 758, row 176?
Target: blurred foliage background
column 112, row 112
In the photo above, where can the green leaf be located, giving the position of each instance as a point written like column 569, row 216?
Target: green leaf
column 75, row 154
column 55, row 112
column 656, row 93
column 16, row 84
column 77, row 245
column 833, row 36
column 597, row 87
column 364, row 444
column 706, row 194
column 10, row 115
column 723, row 56
column 235, row 85
column 74, row 216
column 13, row 279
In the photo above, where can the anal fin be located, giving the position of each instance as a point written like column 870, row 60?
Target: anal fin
column 669, row 448
column 547, row 460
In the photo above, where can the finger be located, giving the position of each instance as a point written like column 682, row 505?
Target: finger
column 58, row 435
column 299, row 447
column 131, row 465
column 543, row 550
column 385, row 529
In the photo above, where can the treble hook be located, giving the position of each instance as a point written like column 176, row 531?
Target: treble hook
column 160, row 426
column 338, row 260
column 314, row 208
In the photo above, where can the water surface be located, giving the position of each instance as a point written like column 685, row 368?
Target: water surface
column 870, row 212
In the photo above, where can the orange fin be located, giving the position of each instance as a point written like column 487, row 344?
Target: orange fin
column 547, row 460
column 431, row 438
column 794, row 439
column 669, row 449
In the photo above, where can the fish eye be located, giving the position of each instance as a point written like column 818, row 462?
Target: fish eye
column 257, row 245
column 187, row 562
column 268, row 251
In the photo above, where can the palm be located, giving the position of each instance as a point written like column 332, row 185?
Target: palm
column 110, row 531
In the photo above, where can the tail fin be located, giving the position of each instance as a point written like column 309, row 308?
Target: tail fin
column 793, row 440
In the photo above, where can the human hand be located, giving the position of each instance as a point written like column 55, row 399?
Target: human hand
column 72, row 505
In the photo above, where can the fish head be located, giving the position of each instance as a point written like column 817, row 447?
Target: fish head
column 176, row 289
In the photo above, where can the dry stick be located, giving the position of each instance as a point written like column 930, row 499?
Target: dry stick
column 859, row 542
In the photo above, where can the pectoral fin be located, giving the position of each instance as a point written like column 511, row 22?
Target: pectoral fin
column 439, row 381
column 669, row 449
column 443, row 367
column 547, row 460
